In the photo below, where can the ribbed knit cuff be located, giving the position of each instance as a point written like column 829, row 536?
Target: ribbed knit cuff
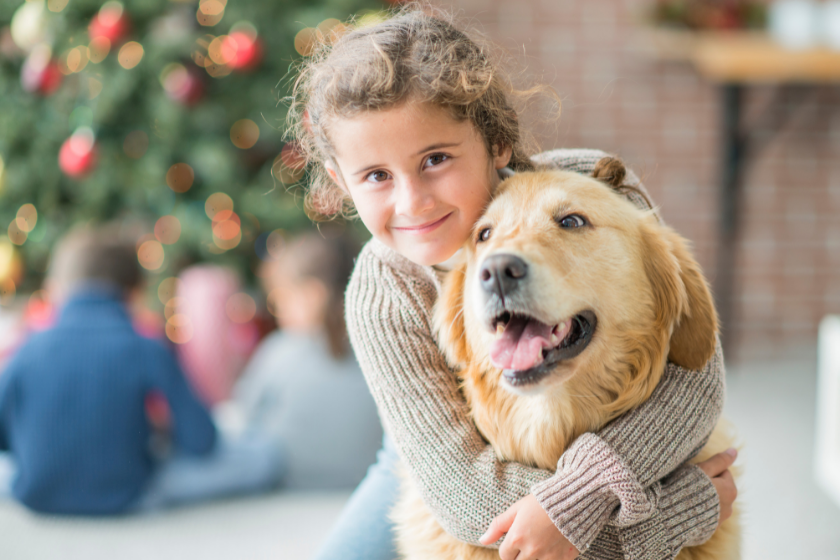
column 590, row 483
column 688, row 514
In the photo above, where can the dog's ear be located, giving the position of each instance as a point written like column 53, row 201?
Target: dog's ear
column 611, row 171
column 449, row 319
column 681, row 296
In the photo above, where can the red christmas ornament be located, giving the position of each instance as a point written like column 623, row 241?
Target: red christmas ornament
column 110, row 23
column 242, row 50
column 78, row 155
column 183, row 84
column 40, row 73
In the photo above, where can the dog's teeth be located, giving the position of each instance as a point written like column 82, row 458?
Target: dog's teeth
column 500, row 328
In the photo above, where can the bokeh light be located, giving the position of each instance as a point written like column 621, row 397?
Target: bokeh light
column 371, row 18
column 150, row 254
column 168, row 230
column 227, row 228
column 77, row 58
column 212, row 7
column 306, row 40
column 7, row 258
column 199, row 50
column 130, row 55
column 57, row 5
column 7, row 291
column 135, row 145
column 244, row 133
column 173, row 306
column 179, row 329
column 218, row 53
column 210, row 12
column 168, row 289
column 217, row 202
column 180, row 177
column 27, row 217
column 98, row 49
column 16, row 235
column 241, row 308
column 330, row 30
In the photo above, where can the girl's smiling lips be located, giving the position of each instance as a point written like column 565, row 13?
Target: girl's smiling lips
column 423, row 228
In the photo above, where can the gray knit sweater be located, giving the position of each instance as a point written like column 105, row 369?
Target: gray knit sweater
column 623, row 492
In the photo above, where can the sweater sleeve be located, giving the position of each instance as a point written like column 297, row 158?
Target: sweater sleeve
column 686, row 514
column 607, row 475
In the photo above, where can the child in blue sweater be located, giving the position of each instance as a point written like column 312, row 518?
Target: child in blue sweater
column 72, row 413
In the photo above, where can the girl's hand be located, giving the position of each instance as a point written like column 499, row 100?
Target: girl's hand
column 530, row 532
column 717, row 468
column 532, row 535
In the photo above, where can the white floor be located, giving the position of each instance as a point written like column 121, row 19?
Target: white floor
column 787, row 516
column 772, row 404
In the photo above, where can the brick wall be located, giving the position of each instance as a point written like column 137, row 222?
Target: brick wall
column 664, row 121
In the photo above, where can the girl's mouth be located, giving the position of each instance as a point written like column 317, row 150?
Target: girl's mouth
column 422, row 229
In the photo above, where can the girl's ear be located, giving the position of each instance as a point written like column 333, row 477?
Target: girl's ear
column 335, row 175
column 501, row 155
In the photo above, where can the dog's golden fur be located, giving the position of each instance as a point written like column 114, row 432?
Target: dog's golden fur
column 652, row 304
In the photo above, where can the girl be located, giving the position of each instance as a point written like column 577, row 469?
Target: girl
column 409, row 123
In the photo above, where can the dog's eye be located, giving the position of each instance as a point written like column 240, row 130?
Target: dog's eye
column 571, row 221
column 483, row 235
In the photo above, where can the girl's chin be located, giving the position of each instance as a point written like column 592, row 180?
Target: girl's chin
column 428, row 255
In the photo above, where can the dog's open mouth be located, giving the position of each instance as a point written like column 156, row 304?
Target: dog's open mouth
column 526, row 349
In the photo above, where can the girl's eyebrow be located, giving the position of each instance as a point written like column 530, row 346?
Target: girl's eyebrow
column 438, row 147
column 423, row 151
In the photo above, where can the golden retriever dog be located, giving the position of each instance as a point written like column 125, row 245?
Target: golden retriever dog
column 562, row 317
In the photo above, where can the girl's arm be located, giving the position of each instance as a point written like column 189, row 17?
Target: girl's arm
column 457, row 473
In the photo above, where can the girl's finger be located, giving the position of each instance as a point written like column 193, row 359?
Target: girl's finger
column 499, row 527
column 715, row 465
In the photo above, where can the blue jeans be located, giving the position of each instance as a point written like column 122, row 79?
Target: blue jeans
column 245, row 465
column 363, row 530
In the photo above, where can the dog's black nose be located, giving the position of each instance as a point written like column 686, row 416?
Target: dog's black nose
column 501, row 274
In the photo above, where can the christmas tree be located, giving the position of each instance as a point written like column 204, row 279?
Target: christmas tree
column 163, row 115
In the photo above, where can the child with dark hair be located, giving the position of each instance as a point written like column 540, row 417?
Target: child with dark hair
column 72, row 402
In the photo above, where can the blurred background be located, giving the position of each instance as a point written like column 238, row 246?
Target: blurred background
column 167, row 117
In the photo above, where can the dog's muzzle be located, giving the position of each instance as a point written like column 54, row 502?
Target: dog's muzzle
column 502, row 275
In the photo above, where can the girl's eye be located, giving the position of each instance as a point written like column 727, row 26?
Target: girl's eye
column 377, row 177
column 436, row 159
column 571, row 221
column 483, row 235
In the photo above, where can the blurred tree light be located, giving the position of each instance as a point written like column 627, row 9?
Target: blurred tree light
column 162, row 114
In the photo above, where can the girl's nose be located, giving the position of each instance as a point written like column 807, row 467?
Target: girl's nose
column 413, row 198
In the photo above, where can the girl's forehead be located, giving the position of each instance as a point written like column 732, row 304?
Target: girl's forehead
column 408, row 127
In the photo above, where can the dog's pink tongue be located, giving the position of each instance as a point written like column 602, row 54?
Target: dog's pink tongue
column 521, row 345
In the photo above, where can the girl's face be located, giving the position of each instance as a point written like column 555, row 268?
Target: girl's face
column 418, row 178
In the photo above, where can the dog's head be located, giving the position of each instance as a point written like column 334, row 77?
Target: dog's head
column 564, row 278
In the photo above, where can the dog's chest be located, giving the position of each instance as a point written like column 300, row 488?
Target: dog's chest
column 528, row 430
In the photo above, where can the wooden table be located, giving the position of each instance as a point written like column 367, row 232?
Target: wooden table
column 734, row 61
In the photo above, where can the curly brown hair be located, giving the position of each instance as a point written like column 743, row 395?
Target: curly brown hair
column 416, row 54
